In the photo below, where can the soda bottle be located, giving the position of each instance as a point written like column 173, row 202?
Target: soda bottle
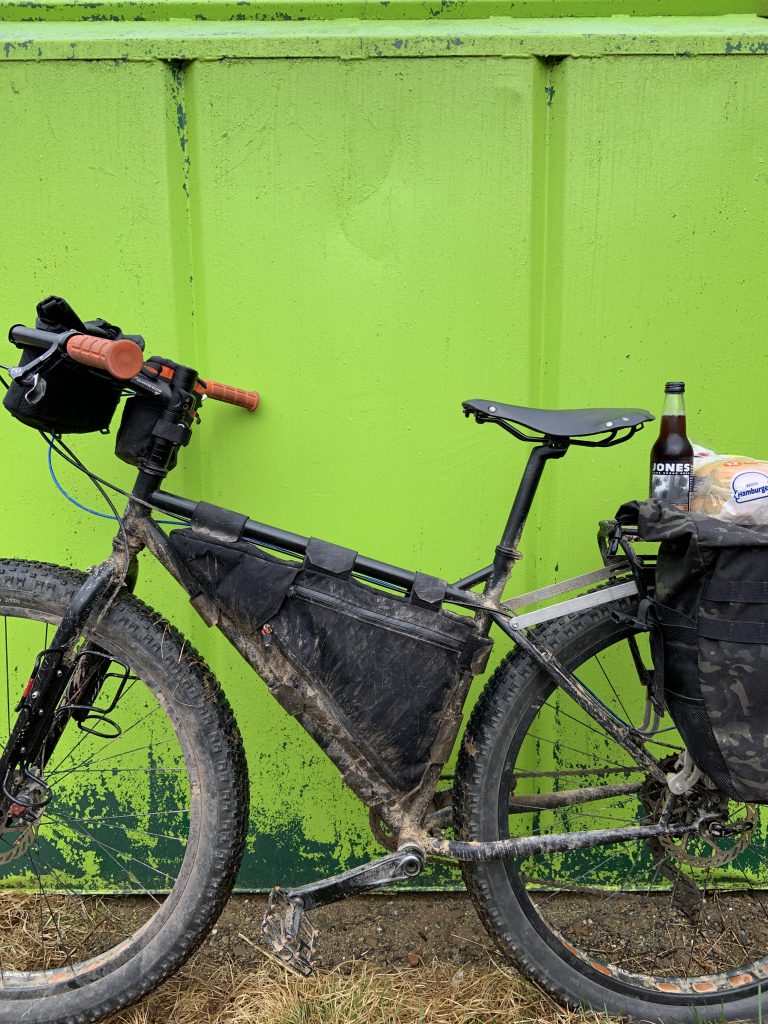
column 672, row 454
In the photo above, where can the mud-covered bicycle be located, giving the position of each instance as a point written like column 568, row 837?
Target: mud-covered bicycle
column 600, row 862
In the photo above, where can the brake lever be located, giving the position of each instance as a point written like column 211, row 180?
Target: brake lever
column 28, row 374
column 36, row 391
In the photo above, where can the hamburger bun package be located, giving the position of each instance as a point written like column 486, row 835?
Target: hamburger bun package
column 730, row 487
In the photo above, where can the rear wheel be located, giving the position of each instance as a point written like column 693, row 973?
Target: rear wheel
column 109, row 887
column 667, row 931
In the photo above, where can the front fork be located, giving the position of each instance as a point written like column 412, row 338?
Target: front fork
column 41, row 721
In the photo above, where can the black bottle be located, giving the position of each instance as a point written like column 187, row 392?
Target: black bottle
column 672, row 454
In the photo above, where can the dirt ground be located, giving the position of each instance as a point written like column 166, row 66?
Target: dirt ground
column 421, row 959
column 386, row 959
column 403, row 930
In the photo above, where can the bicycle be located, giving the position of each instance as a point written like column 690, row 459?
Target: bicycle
column 122, row 761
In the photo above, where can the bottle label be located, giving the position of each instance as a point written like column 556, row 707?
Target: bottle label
column 671, row 484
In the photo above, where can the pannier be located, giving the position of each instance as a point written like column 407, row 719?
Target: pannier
column 388, row 664
column 70, row 398
column 709, row 638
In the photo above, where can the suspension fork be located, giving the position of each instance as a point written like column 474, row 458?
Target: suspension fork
column 625, row 736
column 36, row 732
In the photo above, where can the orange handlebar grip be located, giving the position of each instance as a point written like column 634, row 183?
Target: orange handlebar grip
column 234, row 396
column 121, row 358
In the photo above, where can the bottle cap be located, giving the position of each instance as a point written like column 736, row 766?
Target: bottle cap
column 674, row 387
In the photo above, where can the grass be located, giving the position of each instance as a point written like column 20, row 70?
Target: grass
column 351, row 993
column 215, row 988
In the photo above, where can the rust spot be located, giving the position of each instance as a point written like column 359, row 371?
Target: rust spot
column 601, row 968
column 570, row 948
column 704, row 986
column 668, row 986
column 740, row 979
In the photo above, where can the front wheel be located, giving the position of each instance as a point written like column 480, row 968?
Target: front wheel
column 138, row 817
column 670, row 931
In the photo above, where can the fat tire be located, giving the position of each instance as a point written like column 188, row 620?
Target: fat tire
column 500, row 710
column 158, row 650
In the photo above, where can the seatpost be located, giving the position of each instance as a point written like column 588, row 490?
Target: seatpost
column 506, row 551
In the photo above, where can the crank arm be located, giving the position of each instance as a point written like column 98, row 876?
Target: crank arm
column 396, row 867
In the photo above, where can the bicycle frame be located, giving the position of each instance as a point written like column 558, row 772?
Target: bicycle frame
column 407, row 815
column 412, row 818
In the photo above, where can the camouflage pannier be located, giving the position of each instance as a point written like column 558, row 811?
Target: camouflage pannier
column 709, row 619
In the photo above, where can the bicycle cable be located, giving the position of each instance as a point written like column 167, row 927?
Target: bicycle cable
column 64, row 451
column 85, row 508
column 74, row 461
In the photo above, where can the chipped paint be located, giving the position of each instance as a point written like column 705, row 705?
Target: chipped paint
column 290, row 33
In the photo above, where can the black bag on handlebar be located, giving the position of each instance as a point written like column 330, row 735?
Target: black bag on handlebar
column 142, row 422
column 709, row 633
column 66, row 397
column 386, row 665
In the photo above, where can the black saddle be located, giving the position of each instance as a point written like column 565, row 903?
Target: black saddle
column 560, row 423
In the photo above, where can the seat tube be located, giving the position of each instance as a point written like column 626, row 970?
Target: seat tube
column 507, row 550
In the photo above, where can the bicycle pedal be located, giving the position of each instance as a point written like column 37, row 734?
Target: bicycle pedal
column 289, row 933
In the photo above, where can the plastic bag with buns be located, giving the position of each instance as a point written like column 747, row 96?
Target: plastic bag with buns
column 733, row 488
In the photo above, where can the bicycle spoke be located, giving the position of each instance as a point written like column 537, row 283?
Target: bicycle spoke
column 619, row 701
column 649, row 908
column 65, row 924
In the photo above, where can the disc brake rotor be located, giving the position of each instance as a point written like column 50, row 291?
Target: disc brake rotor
column 23, row 817
column 16, row 841
column 718, row 850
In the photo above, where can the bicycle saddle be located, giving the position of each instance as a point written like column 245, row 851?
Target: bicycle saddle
column 557, row 422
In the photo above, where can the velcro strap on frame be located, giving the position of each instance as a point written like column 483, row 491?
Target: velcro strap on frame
column 734, row 631
column 428, row 590
column 218, row 523
column 330, row 557
column 737, row 591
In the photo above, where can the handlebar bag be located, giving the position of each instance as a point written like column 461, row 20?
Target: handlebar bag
column 75, row 399
column 142, row 421
column 709, row 630
column 386, row 664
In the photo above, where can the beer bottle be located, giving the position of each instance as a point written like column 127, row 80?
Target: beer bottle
column 672, row 455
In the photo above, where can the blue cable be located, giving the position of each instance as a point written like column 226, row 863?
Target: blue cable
column 60, row 489
column 84, row 508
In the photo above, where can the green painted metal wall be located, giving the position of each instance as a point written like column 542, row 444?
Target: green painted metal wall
column 371, row 215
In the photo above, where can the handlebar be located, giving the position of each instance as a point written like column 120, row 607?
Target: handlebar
column 233, row 396
column 122, row 358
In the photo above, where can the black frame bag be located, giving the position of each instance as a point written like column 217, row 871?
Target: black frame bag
column 388, row 664
column 709, row 622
